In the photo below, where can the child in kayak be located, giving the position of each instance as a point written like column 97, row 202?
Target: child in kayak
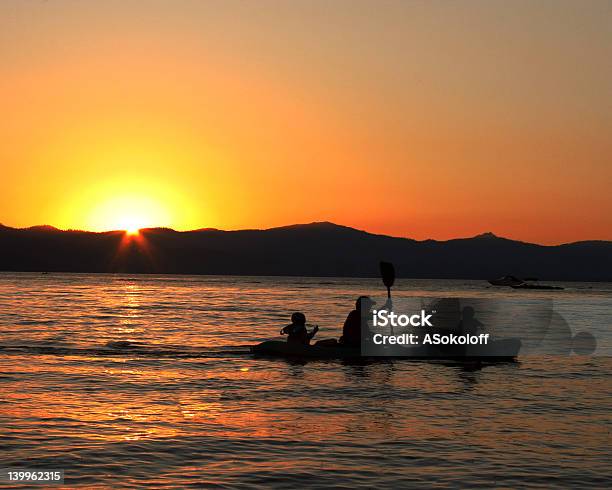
column 297, row 332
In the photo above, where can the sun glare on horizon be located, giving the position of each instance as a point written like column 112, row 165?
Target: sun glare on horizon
column 130, row 224
column 130, row 213
column 131, row 202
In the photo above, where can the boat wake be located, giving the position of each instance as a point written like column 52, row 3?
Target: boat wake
column 130, row 349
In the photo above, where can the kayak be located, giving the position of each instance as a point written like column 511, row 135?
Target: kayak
column 503, row 349
column 285, row 349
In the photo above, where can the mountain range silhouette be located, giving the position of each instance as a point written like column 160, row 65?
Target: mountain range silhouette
column 315, row 249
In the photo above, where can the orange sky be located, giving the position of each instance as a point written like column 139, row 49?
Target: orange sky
column 422, row 119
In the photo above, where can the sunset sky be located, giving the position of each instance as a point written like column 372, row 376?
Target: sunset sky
column 433, row 119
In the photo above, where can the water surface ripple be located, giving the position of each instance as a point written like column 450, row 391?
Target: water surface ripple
column 147, row 381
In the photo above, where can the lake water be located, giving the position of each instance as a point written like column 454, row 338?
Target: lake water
column 132, row 381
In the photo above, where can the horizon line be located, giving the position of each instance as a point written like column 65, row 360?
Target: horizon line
column 483, row 235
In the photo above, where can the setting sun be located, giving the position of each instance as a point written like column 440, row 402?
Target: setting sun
column 131, row 224
column 130, row 213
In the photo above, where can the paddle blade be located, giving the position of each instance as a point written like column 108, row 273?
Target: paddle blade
column 387, row 271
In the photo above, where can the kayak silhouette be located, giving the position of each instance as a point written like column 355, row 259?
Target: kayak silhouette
column 501, row 349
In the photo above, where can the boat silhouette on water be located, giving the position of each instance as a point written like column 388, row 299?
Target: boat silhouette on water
column 516, row 283
column 506, row 281
column 496, row 350
column 502, row 349
column 537, row 286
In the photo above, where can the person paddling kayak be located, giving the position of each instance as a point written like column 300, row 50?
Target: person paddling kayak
column 351, row 331
column 296, row 330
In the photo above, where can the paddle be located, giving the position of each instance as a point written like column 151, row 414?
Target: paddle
column 387, row 271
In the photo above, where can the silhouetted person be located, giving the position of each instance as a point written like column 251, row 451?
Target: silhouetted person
column 296, row 330
column 351, row 331
column 469, row 324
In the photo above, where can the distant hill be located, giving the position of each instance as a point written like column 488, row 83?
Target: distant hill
column 316, row 249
